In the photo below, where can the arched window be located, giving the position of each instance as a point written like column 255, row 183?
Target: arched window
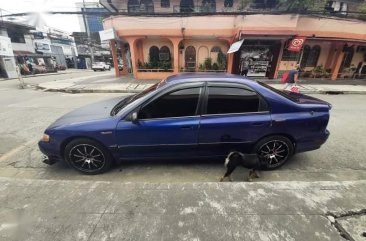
column 154, row 54
column 228, row 3
column 147, row 6
column 348, row 56
column 164, row 54
column 310, row 56
column 215, row 49
column 165, row 3
column 209, row 6
column 133, row 6
column 186, row 6
column 313, row 56
column 215, row 53
column 190, row 58
column 305, row 56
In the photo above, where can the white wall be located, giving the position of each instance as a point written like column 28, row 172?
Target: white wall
column 27, row 46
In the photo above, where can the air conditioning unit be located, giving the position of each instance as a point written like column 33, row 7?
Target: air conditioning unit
column 336, row 7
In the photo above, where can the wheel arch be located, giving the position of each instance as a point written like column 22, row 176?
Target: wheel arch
column 70, row 139
column 291, row 138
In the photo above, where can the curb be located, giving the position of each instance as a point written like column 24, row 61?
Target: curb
column 39, row 75
column 76, row 91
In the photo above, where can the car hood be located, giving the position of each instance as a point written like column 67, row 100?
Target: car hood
column 95, row 111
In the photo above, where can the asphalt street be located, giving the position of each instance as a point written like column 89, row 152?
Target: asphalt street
column 317, row 195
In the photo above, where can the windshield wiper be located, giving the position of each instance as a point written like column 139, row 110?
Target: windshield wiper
column 121, row 104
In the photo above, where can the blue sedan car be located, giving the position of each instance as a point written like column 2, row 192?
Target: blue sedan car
column 186, row 116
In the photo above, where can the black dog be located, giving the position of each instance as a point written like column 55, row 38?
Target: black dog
column 235, row 159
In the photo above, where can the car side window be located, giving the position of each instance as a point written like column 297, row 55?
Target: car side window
column 231, row 100
column 174, row 104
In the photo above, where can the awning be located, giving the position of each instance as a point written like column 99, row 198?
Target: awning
column 235, row 46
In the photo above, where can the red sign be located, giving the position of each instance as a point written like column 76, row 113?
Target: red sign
column 296, row 44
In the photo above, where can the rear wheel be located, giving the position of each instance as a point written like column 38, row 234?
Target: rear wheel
column 274, row 151
column 88, row 156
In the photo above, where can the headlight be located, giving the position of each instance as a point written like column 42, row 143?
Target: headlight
column 45, row 138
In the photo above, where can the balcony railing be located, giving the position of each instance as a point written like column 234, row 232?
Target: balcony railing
column 272, row 7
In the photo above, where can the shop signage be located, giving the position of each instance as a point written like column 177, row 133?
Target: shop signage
column 42, row 46
column 6, row 48
column 235, row 46
column 296, row 44
column 107, row 34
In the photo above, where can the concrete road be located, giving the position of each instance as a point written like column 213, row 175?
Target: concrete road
column 24, row 114
column 174, row 200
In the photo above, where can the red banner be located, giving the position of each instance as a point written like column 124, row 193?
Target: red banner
column 296, row 44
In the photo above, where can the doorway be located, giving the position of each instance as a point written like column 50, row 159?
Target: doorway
column 190, row 59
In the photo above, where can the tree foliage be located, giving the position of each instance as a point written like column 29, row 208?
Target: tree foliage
column 298, row 5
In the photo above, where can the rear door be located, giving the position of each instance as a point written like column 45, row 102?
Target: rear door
column 234, row 118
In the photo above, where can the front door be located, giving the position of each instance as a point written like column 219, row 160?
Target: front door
column 235, row 118
column 167, row 126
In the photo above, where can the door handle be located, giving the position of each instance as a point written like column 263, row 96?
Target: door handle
column 257, row 124
column 186, row 127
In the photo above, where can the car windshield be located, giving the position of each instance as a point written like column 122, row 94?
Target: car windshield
column 98, row 63
column 120, row 105
column 285, row 93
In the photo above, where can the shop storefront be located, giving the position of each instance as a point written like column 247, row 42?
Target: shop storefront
column 257, row 58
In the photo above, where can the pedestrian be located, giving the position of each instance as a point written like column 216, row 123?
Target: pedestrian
column 292, row 77
column 244, row 67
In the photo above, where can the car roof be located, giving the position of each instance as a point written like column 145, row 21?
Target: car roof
column 192, row 77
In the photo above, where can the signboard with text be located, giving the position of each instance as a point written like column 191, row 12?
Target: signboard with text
column 107, row 34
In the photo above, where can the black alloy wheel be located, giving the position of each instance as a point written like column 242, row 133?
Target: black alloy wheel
column 274, row 151
column 88, row 156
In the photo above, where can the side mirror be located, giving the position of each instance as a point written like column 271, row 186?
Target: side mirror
column 134, row 117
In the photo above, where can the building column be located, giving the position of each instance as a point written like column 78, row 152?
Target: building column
column 175, row 42
column 124, row 59
column 338, row 62
column 230, row 63
column 331, row 55
column 279, row 58
column 114, row 57
column 134, row 55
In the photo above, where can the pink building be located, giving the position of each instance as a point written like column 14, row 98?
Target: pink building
column 165, row 37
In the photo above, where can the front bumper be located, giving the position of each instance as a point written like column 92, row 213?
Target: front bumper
column 51, row 154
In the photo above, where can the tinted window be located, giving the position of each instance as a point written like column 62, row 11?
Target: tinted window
column 222, row 100
column 175, row 104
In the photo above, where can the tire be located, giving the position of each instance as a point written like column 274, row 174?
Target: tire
column 274, row 151
column 95, row 70
column 88, row 156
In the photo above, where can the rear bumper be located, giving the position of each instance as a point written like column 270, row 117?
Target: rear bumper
column 313, row 143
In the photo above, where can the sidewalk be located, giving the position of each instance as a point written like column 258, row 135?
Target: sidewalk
column 67, row 71
column 94, row 210
column 111, row 84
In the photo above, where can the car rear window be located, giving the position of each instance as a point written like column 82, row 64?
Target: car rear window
column 285, row 94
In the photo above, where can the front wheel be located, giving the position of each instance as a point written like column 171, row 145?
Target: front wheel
column 274, row 151
column 88, row 156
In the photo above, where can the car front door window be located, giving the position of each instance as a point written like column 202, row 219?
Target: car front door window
column 179, row 103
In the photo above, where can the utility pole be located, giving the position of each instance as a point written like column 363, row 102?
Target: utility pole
column 88, row 33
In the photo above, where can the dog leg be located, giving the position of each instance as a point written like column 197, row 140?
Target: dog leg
column 253, row 174
column 222, row 178
column 256, row 174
